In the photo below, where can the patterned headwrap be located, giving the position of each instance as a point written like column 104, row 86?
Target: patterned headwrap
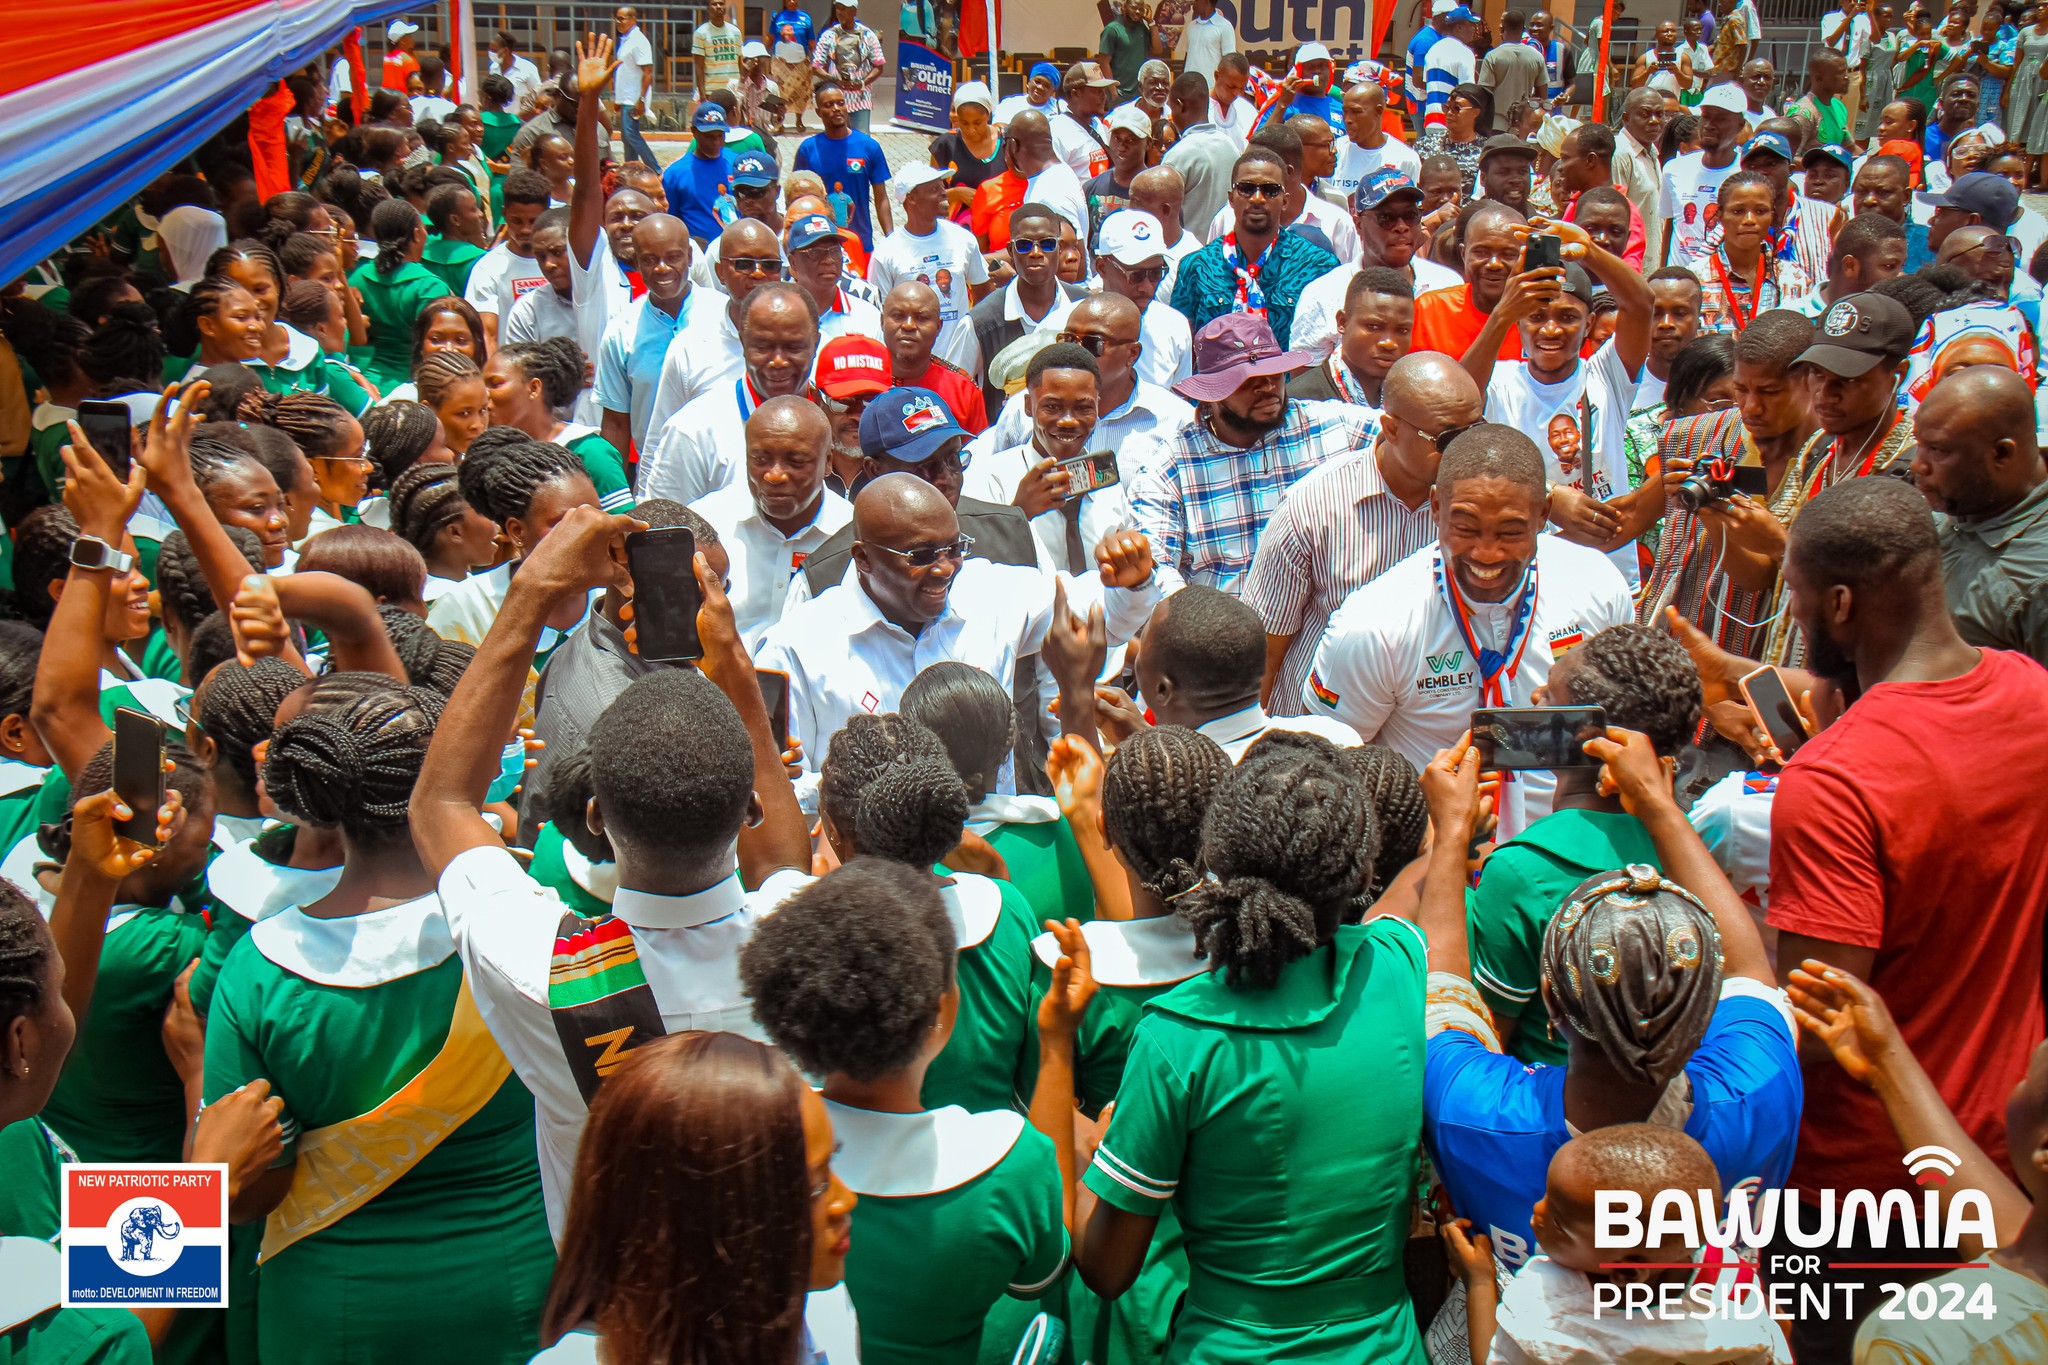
column 1634, row 963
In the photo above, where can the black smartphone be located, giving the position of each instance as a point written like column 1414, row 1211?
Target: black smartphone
column 1535, row 738
column 111, row 429
column 1771, row 703
column 665, row 595
column 1086, row 473
column 1544, row 251
column 138, row 772
column 774, row 685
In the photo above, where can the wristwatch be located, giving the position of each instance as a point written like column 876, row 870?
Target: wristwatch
column 90, row 552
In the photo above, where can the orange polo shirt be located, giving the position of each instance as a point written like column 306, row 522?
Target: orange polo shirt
column 1446, row 321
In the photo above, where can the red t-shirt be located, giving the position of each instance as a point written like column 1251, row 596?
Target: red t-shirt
column 1446, row 321
column 1915, row 826
column 961, row 392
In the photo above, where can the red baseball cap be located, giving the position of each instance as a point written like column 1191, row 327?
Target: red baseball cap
column 853, row 366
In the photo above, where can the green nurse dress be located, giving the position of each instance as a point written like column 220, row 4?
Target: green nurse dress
column 1039, row 849
column 452, row 259
column 248, row 884
column 582, row 885
column 602, row 461
column 956, row 1212
column 392, row 303
column 451, row 1262
column 991, row 1062
column 30, row 1155
column 1281, row 1125
column 20, row 786
column 305, row 369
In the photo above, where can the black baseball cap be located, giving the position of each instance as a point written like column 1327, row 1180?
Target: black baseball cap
column 1508, row 144
column 1985, row 193
column 1858, row 332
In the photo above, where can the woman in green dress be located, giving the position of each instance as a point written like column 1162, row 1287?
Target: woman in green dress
column 24, row 759
column 289, row 361
column 975, row 718
column 887, row 790
column 220, row 323
column 529, row 382
column 855, row 978
column 446, row 1241
column 453, row 386
column 396, row 288
column 1276, row 1101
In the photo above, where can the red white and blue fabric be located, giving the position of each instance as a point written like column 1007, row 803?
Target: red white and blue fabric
column 1250, row 297
column 99, row 97
column 1495, row 665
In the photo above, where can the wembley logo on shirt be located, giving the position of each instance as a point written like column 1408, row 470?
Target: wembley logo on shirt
column 138, row 1234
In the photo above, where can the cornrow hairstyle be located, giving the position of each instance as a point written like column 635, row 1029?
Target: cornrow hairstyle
column 276, row 452
column 42, row 556
column 217, row 455
column 289, row 212
column 1393, row 789
column 246, row 249
column 300, row 252
column 425, row 501
column 444, row 202
column 395, row 435
column 431, row 661
column 378, row 561
column 181, row 583
column 212, row 644
column 55, row 347
column 181, row 329
column 1288, row 844
column 186, row 778
column 318, row 424
column 460, row 307
column 392, row 226
column 227, row 386
column 564, row 802
column 848, row 975
column 352, row 762
column 21, row 649
column 888, row 783
column 502, row 481
column 236, row 706
column 26, row 952
column 1156, row 790
column 306, row 305
column 556, row 362
column 439, row 372
column 973, row 715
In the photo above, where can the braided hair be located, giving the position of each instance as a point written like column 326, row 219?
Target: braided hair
column 393, row 225
column 218, row 453
column 181, row 329
column 395, row 435
column 300, row 252
column 440, row 371
column 26, row 953
column 318, row 424
column 92, row 298
column 972, row 714
column 1288, row 843
column 306, row 305
column 352, row 757
column 286, row 215
column 42, row 556
column 181, row 582
column 55, row 346
column 1155, row 792
column 1394, row 791
column 21, row 650
column 425, row 501
column 126, row 351
column 236, row 706
column 246, row 249
column 457, row 306
column 431, row 661
column 888, row 783
column 226, row 386
column 556, row 362
column 501, row 481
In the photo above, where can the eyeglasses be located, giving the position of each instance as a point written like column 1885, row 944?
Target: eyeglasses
column 1142, row 274
column 754, row 265
column 1024, row 246
column 1258, row 189
column 1390, row 218
column 1094, row 343
column 925, row 556
column 359, row 461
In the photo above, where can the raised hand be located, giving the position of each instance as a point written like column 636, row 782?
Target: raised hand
column 594, row 64
column 1075, row 647
column 167, row 453
column 1450, row 785
column 1043, row 487
column 1076, row 771
column 258, row 622
column 1073, row 983
column 1844, row 1013
column 96, row 845
column 97, row 498
column 1124, row 559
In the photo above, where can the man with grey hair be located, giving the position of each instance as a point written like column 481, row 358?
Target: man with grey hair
column 1155, row 78
column 1638, row 172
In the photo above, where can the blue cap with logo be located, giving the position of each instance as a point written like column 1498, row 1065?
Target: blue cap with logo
column 1382, row 185
column 809, row 229
column 710, row 118
column 1777, row 144
column 907, row 425
column 1830, row 151
column 754, row 169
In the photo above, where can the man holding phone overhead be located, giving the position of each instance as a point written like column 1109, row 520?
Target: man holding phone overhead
column 1475, row 620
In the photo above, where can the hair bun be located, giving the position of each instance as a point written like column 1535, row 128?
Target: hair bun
column 1250, row 926
column 912, row 813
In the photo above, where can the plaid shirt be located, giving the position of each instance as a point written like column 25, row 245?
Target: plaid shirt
column 1203, row 504
column 854, row 60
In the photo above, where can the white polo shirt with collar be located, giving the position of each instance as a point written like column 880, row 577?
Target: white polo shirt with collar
column 1055, row 318
column 503, row 922
column 764, row 560
column 1239, row 730
column 704, row 353
column 1136, row 427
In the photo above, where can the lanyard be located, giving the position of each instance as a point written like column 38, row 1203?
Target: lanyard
column 1765, row 264
column 746, row 395
column 1251, row 298
column 1346, row 386
column 1493, row 664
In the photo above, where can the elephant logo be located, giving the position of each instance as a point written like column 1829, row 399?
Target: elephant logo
column 144, row 1224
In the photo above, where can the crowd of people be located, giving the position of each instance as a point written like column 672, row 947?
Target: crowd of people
column 1062, row 899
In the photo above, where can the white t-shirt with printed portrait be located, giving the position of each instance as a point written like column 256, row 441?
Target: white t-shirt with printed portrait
column 1690, row 200
column 948, row 259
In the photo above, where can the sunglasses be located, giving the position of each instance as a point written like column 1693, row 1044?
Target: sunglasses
column 1094, row 343
column 1024, row 246
column 754, row 265
column 1143, row 274
column 1258, row 189
column 1442, row 439
column 925, row 556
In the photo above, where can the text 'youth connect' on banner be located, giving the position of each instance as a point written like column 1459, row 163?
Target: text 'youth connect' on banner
column 924, row 87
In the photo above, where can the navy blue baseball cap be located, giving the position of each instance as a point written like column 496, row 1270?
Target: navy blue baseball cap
column 809, row 229
column 1987, row 194
column 907, row 424
column 754, row 169
column 1777, row 144
column 1832, row 151
column 710, row 118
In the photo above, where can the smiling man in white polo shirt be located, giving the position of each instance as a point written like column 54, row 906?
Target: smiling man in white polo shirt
column 1472, row 621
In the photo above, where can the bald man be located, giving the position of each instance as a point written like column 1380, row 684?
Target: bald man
column 1161, row 192
column 707, row 351
column 776, row 516
column 1345, row 524
column 1979, row 466
column 635, row 345
column 912, row 330
column 1983, row 253
column 1028, row 145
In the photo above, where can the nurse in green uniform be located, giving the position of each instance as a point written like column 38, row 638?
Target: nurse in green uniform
column 1276, row 1102
column 447, row 1240
column 528, row 382
column 395, row 288
column 975, row 717
column 24, row 761
column 855, row 978
column 289, row 361
column 887, row 790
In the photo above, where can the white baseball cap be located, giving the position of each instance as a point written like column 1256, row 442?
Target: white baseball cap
column 1727, row 95
column 398, row 28
column 908, row 178
column 754, row 48
column 1311, row 52
column 1132, row 237
column 1131, row 119
column 1441, row 8
column 974, row 92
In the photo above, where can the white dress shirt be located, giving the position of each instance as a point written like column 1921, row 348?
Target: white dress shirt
column 1239, row 730
column 995, row 477
column 1315, row 312
column 1167, row 346
column 764, row 560
column 705, row 353
column 601, row 292
column 504, row 921
column 702, row 448
column 1238, row 122
column 526, row 82
column 1204, row 42
column 1137, row 426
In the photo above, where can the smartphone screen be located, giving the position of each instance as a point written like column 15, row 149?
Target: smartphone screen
column 1534, row 738
column 111, row 429
column 138, row 772
column 1543, row 252
column 665, row 596
column 1087, row 473
column 775, row 692
column 1771, row 703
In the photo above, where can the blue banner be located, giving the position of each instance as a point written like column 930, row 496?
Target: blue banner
column 924, row 87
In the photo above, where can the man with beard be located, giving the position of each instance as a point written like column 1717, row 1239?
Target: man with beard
column 1388, row 212
column 708, row 351
column 1692, row 182
column 1870, row 846
column 1255, row 267
column 1450, row 319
